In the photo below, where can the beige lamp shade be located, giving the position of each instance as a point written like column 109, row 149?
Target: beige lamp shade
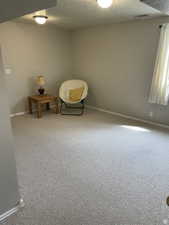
column 40, row 81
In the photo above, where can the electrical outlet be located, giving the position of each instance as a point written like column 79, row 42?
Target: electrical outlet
column 151, row 114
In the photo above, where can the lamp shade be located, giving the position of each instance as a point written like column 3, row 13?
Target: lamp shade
column 40, row 81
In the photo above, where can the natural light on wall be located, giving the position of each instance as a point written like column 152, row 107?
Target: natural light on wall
column 104, row 3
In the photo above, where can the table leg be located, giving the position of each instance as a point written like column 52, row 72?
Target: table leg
column 30, row 105
column 56, row 106
column 39, row 110
column 48, row 106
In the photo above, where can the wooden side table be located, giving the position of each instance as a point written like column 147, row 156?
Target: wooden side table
column 40, row 100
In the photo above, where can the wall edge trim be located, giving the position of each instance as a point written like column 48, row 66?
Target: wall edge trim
column 128, row 117
column 26, row 112
column 12, row 211
column 17, row 114
column 113, row 113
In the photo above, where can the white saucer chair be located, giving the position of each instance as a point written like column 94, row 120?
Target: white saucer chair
column 64, row 95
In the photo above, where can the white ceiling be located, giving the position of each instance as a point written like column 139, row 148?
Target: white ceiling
column 10, row 9
column 73, row 14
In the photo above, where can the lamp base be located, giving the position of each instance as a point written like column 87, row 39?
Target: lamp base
column 41, row 91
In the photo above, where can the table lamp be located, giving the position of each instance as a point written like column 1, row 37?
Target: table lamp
column 41, row 82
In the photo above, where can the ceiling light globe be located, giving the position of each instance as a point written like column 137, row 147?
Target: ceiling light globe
column 104, row 3
column 40, row 19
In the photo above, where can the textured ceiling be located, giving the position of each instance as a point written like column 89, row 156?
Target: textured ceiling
column 73, row 14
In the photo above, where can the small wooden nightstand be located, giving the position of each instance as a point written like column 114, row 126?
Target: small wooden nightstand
column 40, row 100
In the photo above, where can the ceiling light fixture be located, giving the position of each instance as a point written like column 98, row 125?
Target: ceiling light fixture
column 104, row 3
column 40, row 19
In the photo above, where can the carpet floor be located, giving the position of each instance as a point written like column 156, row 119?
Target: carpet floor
column 97, row 169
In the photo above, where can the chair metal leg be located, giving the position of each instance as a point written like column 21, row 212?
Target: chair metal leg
column 70, row 107
column 61, row 106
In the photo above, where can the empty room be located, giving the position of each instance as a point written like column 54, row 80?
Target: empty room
column 84, row 135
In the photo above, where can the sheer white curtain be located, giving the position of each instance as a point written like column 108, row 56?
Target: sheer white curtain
column 159, row 87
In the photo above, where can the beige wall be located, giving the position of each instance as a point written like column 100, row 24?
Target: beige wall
column 9, row 193
column 117, row 61
column 30, row 50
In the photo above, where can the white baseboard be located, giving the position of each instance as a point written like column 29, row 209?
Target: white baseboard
column 24, row 113
column 110, row 112
column 12, row 211
column 128, row 117
column 17, row 114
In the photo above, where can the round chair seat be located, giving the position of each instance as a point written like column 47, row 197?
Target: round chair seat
column 72, row 84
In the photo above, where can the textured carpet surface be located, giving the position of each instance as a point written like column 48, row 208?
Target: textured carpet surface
column 96, row 169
